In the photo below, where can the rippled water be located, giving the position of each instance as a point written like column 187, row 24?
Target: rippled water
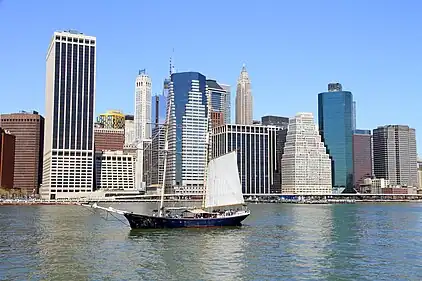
column 278, row 242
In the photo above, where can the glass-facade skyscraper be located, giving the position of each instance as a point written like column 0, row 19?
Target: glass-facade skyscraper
column 188, row 128
column 335, row 120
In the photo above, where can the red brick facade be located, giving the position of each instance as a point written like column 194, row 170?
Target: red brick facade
column 28, row 128
column 217, row 119
column 7, row 159
column 109, row 139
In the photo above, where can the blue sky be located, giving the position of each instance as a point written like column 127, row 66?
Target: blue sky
column 291, row 49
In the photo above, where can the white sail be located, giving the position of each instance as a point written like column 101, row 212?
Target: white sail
column 223, row 186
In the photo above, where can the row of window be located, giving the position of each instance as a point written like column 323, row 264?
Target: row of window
column 76, row 40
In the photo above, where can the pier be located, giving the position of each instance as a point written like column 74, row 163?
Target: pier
column 249, row 198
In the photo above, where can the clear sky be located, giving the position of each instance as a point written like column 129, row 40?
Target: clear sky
column 291, row 49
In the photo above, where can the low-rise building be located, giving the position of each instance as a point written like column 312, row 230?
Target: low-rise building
column 109, row 139
column 114, row 170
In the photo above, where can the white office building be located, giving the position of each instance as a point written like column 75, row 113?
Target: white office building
column 142, row 106
column 115, row 170
column 305, row 164
column 69, row 115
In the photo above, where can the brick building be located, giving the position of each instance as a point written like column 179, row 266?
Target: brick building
column 109, row 139
column 7, row 158
column 28, row 128
column 217, row 119
column 362, row 156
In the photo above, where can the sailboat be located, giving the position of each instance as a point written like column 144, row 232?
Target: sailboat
column 222, row 205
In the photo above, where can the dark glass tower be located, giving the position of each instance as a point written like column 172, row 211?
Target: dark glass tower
column 335, row 120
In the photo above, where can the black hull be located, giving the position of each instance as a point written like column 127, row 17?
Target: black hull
column 138, row 221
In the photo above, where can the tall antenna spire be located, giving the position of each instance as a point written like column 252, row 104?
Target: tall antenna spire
column 171, row 63
column 170, row 70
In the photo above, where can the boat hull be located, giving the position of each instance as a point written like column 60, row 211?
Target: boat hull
column 138, row 221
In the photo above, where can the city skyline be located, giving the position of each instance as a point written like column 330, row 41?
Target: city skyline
column 295, row 66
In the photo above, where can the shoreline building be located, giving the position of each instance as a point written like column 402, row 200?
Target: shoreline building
column 28, row 129
column 69, row 115
column 335, row 122
column 142, row 106
column 395, row 156
column 244, row 99
column 305, row 164
column 362, row 156
column 282, row 123
column 188, row 128
column 115, row 170
column 256, row 157
column 112, row 119
column 7, row 159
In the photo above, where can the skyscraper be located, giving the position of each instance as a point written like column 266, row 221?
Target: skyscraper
column 244, row 100
column 395, row 155
column 362, row 156
column 220, row 102
column 188, row 128
column 142, row 106
column 256, row 157
column 159, row 108
column 305, row 164
column 69, row 121
column 335, row 120
column 227, row 103
column 28, row 128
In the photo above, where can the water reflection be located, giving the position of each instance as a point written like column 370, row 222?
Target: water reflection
column 194, row 254
column 277, row 242
column 308, row 239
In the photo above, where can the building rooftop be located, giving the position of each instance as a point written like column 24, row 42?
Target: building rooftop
column 213, row 84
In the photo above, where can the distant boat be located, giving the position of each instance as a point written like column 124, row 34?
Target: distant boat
column 223, row 202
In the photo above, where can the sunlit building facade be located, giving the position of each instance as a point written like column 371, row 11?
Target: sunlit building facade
column 112, row 119
column 69, row 115
column 305, row 164
column 188, row 128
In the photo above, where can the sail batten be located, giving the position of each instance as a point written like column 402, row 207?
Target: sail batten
column 223, row 183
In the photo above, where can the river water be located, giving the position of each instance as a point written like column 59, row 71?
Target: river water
column 277, row 242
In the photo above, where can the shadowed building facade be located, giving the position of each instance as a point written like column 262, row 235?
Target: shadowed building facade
column 362, row 156
column 7, row 158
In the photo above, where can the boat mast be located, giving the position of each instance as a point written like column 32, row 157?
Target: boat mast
column 166, row 146
column 207, row 143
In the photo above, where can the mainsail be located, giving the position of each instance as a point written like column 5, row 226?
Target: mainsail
column 223, row 186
